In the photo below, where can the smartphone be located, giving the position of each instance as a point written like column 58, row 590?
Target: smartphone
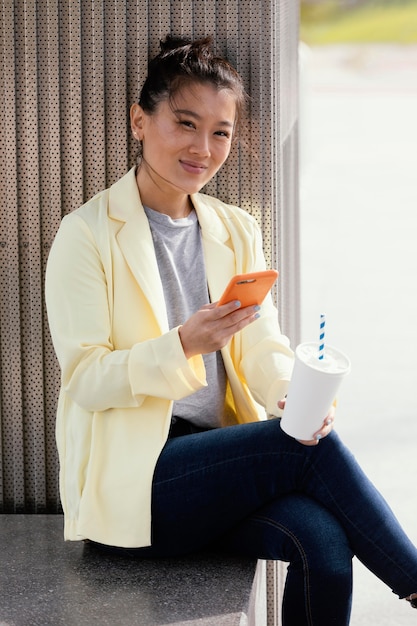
column 249, row 289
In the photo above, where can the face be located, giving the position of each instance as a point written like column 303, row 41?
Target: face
column 185, row 141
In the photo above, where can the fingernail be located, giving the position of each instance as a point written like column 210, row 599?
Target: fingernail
column 318, row 437
column 237, row 304
column 328, row 422
column 257, row 316
column 257, row 307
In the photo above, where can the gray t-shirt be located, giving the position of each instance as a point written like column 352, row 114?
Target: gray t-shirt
column 179, row 254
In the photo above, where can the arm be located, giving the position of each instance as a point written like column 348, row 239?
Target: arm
column 95, row 373
column 265, row 358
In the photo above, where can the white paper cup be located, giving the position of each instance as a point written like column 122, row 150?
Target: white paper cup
column 312, row 389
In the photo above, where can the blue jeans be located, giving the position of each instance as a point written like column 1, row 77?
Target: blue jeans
column 253, row 490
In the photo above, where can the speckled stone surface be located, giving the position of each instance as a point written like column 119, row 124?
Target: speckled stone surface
column 46, row 581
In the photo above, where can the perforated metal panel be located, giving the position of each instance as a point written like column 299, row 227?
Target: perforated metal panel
column 70, row 71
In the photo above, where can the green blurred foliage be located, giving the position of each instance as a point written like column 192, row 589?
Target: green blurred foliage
column 348, row 21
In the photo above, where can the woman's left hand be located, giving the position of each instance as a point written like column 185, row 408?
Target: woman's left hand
column 324, row 430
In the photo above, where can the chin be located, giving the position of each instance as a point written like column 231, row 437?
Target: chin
column 191, row 189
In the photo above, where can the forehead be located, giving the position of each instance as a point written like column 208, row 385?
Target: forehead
column 205, row 100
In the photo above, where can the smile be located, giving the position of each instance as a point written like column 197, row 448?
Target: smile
column 193, row 168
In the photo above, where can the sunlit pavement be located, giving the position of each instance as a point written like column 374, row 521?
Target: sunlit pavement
column 359, row 266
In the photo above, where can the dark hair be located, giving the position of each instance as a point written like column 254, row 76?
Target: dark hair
column 182, row 62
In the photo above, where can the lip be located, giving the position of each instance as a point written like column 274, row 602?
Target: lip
column 193, row 168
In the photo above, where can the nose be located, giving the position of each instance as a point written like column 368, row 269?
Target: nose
column 201, row 144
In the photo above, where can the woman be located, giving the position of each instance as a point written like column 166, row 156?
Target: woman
column 152, row 370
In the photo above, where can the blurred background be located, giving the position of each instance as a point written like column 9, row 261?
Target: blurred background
column 358, row 199
column 358, row 21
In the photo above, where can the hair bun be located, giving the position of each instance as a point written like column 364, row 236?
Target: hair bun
column 171, row 44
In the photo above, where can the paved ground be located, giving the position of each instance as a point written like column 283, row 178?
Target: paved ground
column 359, row 266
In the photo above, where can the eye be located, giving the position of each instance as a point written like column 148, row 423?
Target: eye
column 223, row 133
column 186, row 124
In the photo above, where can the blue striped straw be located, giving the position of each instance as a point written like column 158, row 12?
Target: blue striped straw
column 322, row 334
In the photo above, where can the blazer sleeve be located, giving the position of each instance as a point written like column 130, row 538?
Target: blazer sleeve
column 266, row 358
column 96, row 374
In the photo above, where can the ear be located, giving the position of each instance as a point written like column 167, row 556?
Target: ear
column 137, row 116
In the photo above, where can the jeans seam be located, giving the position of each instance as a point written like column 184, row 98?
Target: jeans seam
column 259, row 455
column 304, row 559
column 345, row 516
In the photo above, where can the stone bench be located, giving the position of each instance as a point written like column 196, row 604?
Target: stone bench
column 46, row 581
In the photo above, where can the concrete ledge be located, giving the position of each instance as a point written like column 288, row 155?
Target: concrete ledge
column 46, row 581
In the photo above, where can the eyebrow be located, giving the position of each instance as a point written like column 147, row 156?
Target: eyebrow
column 198, row 117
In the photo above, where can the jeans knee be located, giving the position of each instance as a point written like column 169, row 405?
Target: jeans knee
column 307, row 533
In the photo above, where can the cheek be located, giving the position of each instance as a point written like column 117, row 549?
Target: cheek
column 159, row 142
column 221, row 153
column 165, row 130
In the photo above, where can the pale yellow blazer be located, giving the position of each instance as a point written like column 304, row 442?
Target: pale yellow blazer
column 121, row 365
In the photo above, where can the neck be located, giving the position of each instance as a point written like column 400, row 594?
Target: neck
column 160, row 196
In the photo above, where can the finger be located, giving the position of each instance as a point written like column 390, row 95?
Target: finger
column 232, row 321
column 309, row 442
column 281, row 404
column 330, row 417
column 211, row 305
column 233, row 305
column 324, row 430
column 229, row 306
column 212, row 312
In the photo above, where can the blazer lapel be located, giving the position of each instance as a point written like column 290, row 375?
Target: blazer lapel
column 218, row 254
column 136, row 244
column 135, row 241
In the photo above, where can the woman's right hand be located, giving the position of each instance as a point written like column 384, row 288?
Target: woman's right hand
column 212, row 327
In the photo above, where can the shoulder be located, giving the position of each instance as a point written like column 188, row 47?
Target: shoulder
column 223, row 210
column 117, row 202
column 82, row 229
column 91, row 210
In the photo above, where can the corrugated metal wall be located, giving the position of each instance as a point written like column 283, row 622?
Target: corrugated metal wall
column 70, row 70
